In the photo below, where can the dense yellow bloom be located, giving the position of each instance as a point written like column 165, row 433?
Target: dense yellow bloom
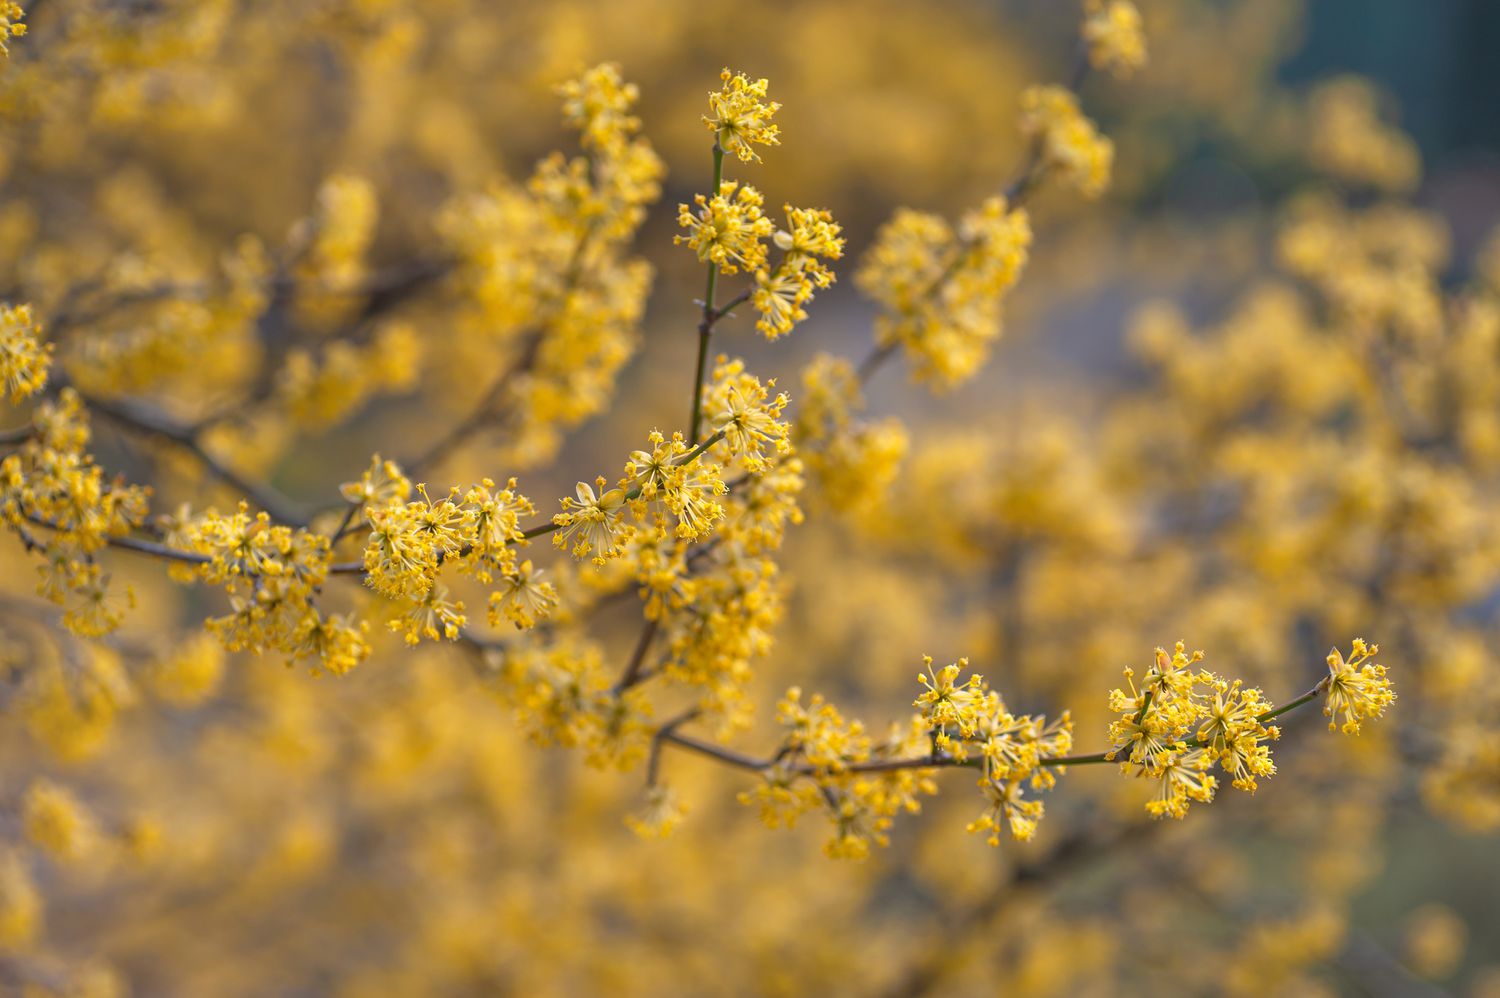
column 1112, row 30
column 24, row 359
column 1066, row 140
column 52, row 481
column 336, row 643
column 1183, row 721
column 729, row 230
column 740, row 115
column 818, row 732
column 1233, row 732
column 690, row 489
column 409, row 542
column 1357, row 687
column 1343, row 417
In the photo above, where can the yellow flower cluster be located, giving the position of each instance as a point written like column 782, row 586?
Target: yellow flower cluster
column 740, row 115
column 781, row 292
column 671, row 476
column 24, row 359
column 1347, row 139
column 967, row 719
column 854, row 461
column 534, row 281
column 1181, row 722
column 323, row 389
column 272, row 574
column 338, row 236
column 551, row 302
column 52, row 482
column 1155, row 734
column 742, row 408
column 1357, row 687
column 829, row 762
column 476, row 530
column 59, row 823
column 1112, row 31
column 598, row 104
column 1066, row 140
column 941, row 291
column 819, row 765
column 562, row 696
column 727, row 231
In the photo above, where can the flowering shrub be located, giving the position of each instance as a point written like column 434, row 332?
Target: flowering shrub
column 1316, row 466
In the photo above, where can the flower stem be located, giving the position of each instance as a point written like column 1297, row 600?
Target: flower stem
column 1311, row 694
column 710, row 314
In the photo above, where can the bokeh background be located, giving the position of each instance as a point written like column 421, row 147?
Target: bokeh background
column 393, row 831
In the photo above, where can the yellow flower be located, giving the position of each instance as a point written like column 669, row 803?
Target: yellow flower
column 598, row 104
column 10, row 23
column 941, row 292
column 436, row 616
column 58, row 822
column 1357, row 687
column 1007, row 807
column 1066, row 140
column 728, row 230
column 24, row 359
column 779, row 298
column 661, row 813
column 779, row 294
column 1181, row 777
column 523, row 598
column 947, row 703
column 743, row 409
column 1112, row 30
column 336, row 642
column 740, row 115
column 592, row 523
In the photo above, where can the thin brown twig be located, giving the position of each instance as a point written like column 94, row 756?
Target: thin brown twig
column 159, row 425
column 632, row 674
